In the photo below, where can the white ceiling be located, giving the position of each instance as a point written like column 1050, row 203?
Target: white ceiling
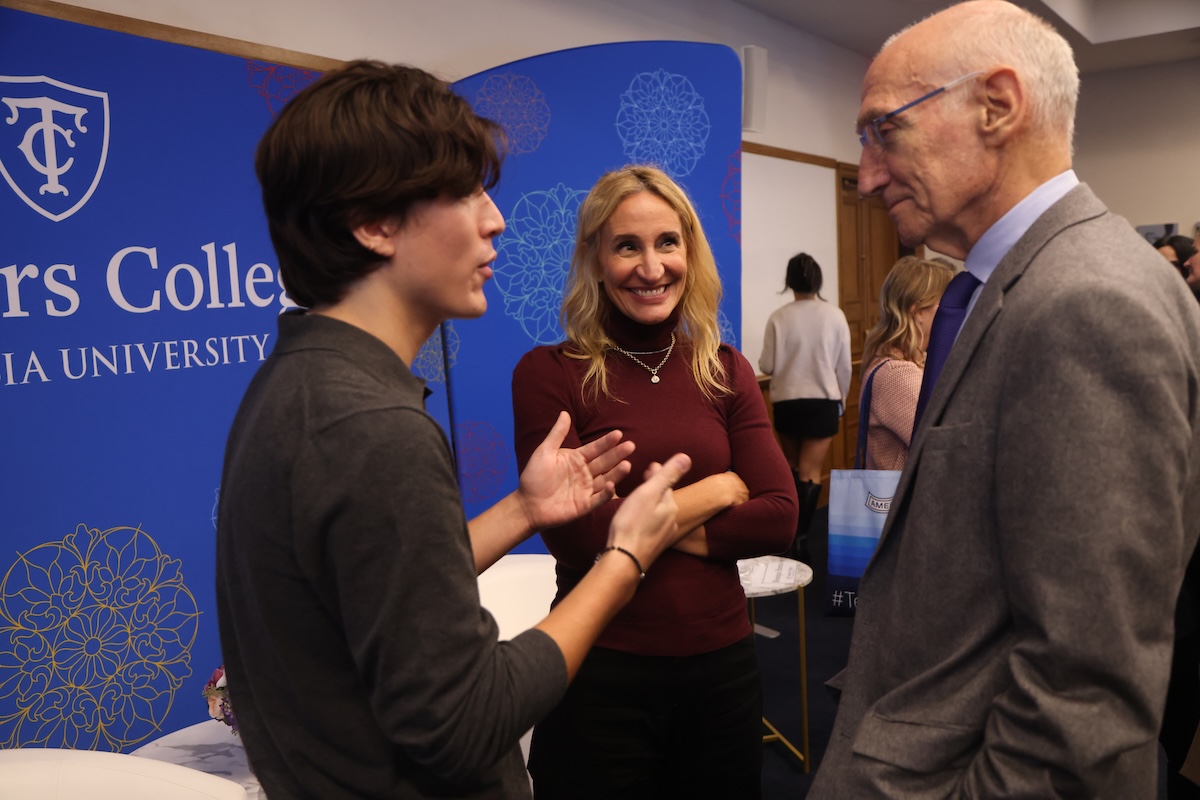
column 1105, row 34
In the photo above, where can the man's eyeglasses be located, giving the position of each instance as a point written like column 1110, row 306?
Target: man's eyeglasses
column 871, row 133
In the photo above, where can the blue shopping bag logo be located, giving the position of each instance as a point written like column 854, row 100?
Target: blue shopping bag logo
column 880, row 505
column 859, row 501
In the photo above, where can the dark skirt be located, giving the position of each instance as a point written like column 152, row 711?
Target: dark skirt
column 807, row 419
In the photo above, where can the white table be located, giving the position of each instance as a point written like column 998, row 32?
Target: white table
column 518, row 590
column 208, row 746
column 771, row 575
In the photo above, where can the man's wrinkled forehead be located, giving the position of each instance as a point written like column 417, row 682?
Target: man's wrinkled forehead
column 885, row 82
column 874, row 103
column 898, row 75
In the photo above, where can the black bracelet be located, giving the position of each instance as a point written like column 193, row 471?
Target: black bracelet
column 637, row 563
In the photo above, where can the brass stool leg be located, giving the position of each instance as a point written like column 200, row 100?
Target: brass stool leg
column 803, row 684
column 775, row 735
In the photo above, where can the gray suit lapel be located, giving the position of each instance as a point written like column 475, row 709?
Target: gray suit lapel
column 1078, row 205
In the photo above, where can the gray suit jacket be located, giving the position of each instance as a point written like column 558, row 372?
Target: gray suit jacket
column 1014, row 628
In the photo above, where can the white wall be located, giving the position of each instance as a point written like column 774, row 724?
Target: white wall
column 1137, row 142
column 813, row 91
column 795, row 211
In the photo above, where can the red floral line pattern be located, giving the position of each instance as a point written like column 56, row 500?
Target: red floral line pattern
column 731, row 196
column 278, row 83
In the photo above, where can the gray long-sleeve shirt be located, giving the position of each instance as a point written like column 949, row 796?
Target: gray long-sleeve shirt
column 360, row 663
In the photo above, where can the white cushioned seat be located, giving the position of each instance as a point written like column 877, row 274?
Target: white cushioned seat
column 62, row 774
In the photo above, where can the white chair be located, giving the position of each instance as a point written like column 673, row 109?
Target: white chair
column 61, row 774
column 518, row 590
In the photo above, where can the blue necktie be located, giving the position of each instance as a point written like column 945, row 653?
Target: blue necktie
column 949, row 318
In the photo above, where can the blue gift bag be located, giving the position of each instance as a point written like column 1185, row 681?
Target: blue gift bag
column 859, row 500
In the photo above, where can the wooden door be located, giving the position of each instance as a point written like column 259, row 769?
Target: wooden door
column 867, row 248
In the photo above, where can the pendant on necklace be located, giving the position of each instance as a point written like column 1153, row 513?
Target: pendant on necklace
column 652, row 370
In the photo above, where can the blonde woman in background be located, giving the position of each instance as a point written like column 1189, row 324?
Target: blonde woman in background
column 894, row 351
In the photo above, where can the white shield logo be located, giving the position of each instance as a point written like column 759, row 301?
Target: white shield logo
column 53, row 142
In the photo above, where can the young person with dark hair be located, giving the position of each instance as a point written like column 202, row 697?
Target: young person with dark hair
column 1177, row 250
column 359, row 659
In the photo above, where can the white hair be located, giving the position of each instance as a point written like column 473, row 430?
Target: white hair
column 1012, row 36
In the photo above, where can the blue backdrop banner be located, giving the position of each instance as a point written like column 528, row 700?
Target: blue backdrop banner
column 138, row 295
column 570, row 116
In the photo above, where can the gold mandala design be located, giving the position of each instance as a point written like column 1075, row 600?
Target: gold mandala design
column 96, row 632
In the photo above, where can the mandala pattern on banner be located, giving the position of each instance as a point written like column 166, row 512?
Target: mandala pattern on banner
column 516, row 103
column 277, row 83
column 438, row 350
column 482, row 460
column 534, row 256
column 96, row 632
column 662, row 121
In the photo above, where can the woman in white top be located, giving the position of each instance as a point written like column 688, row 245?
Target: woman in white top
column 806, row 351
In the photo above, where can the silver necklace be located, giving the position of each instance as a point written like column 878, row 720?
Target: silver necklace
column 652, row 370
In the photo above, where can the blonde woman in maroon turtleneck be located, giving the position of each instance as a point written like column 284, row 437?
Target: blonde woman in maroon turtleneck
column 670, row 697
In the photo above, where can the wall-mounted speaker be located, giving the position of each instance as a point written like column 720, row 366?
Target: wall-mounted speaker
column 754, row 88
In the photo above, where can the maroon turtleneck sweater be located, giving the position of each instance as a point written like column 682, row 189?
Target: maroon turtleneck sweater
column 686, row 605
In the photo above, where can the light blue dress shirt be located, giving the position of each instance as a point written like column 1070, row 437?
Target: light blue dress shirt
column 1000, row 238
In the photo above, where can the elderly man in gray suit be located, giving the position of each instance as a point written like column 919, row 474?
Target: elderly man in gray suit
column 1014, row 629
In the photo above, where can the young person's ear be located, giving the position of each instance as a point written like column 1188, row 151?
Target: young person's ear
column 377, row 237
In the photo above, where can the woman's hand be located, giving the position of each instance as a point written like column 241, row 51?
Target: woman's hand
column 560, row 484
column 733, row 486
column 701, row 501
column 646, row 523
